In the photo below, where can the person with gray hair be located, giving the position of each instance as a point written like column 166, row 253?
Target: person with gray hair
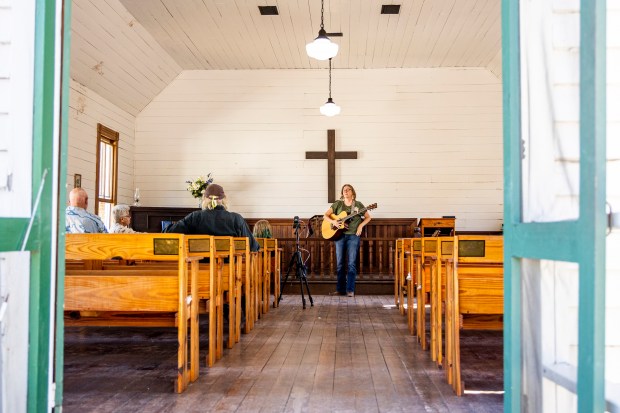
column 122, row 218
column 214, row 219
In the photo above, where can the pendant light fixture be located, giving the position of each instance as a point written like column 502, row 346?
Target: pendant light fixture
column 322, row 48
column 330, row 108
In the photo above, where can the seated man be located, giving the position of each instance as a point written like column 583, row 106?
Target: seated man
column 122, row 218
column 214, row 219
column 77, row 218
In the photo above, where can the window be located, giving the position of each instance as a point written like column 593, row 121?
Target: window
column 107, row 173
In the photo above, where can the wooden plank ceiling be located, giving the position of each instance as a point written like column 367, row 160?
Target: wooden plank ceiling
column 144, row 44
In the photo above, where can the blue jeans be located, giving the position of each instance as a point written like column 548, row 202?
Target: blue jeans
column 349, row 244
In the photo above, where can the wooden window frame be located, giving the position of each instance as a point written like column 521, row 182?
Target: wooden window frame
column 111, row 137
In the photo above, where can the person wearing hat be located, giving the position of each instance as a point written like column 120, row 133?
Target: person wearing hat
column 214, row 219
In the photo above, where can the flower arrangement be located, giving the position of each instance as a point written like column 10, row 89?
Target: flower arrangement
column 197, row 186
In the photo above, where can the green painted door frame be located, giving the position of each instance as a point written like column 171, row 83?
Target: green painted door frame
column 65, row 79
column 581, row 241
column 48, row 186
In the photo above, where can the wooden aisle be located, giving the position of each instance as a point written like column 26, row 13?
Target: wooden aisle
column 342, row 355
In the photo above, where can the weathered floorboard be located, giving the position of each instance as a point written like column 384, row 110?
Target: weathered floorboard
column 343, row 354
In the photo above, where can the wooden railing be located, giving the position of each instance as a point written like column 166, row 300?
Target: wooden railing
column 376, row 249
column 376, row 261
column 376, row 257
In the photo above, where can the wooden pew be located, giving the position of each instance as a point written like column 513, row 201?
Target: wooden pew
column 272, row 255
column 111, row 297
column 430, row 289
column 423, row 288
column 213, row 280
column 474, row 295
column 245, row 275
column 406, row 270
column 219, row 280
column 227, row 276
column 268, row 265
column 437, row 295
column 416, row 264
column 398, row 251
column 276, row 268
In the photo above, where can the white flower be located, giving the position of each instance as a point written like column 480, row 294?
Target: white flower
column 198, row 186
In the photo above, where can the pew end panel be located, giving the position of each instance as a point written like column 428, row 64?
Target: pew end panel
column 474, row 295
column 117, row 297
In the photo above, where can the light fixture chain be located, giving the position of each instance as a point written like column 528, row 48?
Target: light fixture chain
column 322, row 26
column 330, row 77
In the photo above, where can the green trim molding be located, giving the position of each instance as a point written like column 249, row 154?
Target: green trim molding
column 13, row 231
column 40, row 242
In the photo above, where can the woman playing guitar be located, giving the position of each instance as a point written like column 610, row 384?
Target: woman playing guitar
column 349, row 242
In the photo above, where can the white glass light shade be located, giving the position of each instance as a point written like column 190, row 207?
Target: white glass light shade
column 322, row 48
column 330, row 108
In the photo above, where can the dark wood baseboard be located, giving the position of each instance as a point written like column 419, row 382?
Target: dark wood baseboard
column 326, row 287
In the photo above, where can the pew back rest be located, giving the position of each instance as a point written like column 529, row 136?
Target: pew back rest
column 433, row 249
column 479, row 249
column 158, row 247
column 200, row 245
column 416, row 253
column 121, row 287
column 241, row 248
column 271, row 244
column 479, row 274
column 429, row 247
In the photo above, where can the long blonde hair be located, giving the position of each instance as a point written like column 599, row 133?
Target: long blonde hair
column 262, row 229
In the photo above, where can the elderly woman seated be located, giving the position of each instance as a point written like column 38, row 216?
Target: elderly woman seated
column 120, row 214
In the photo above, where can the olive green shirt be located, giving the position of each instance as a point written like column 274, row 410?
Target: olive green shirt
column 354, row 222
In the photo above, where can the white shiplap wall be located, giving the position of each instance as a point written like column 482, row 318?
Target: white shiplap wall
column 115, row 56
column 17, row 22
column 429, row 141
column 86, row 109
column 495, row 65
column 16, row 86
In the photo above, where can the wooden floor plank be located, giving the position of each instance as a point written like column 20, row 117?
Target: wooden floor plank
column 341, row 355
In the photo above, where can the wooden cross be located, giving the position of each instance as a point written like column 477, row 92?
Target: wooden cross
column 331, row 155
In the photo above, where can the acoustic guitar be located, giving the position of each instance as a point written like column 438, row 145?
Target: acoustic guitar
column 333, row 232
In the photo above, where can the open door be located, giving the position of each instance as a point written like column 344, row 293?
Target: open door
column 554, row 199
column 31, row 183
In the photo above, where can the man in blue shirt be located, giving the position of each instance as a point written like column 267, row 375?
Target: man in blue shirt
column 77, row 218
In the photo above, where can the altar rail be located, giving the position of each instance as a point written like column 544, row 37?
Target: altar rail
column 376, row 247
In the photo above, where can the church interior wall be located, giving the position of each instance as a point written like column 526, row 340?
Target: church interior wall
column 114, row 55
column 429, row 141
column 86, row 109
